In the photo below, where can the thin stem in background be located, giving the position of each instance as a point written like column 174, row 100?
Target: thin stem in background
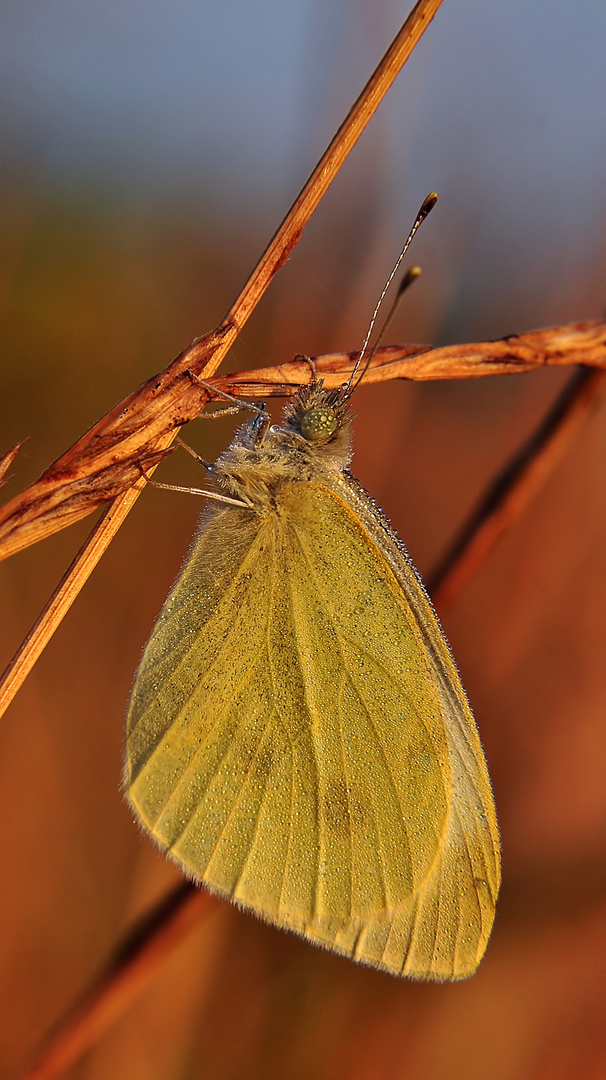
column 142, row 952
column 75, row 577
column 516, row 485
column 6, row 461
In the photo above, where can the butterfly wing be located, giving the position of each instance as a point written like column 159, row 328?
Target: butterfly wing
column 299, row 740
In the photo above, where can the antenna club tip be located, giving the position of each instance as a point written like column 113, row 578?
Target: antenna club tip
column 410, row 276
column 428, row 203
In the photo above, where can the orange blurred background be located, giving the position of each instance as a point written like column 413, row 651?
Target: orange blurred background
column 105, row 275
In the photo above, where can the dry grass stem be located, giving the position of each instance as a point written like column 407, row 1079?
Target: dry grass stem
column 139, row 957
column 108, row 459
column 516, row 486
column 555, row 346
column 6, row 461
column 73, row 580
column 146, row 948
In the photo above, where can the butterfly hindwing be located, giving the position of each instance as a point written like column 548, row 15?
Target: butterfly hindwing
column 298, row 738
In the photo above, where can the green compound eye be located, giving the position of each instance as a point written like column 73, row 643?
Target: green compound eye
column 318, row 423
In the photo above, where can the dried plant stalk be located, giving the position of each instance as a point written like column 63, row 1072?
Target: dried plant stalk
column 108, row 459
column 6, row 461
column 516, row 486
column 75, row 577
column 147, row 947
column 555, row 346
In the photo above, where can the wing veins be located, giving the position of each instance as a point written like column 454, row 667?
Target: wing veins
column 290, row 833
column 438, row 851
column 250, row 556
column 438, row 915
column 345, row 774
column 447, row 686
column 354, row 688
column 288, row 734
column 395, row 554
column 236, row 802
column 469, row 859
column 246, row 678
column 313, row 756
column 266, row 788
column 192, row 764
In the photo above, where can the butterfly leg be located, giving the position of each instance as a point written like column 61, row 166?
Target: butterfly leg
column 262, row 418
column 193, row 491
column 231, row 410
column 241, row 403
column 192, row 453
column 312, row 365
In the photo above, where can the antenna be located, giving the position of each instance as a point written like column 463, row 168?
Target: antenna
column 428, row 204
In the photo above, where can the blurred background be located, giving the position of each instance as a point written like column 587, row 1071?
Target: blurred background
column 149, row 149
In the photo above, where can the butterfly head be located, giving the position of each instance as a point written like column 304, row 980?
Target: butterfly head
column 320, row 417
column 316, row 427
column 318, row 424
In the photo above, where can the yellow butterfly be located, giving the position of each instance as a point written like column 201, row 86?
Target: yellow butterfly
column 298, row 737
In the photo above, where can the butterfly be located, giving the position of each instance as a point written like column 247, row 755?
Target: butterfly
column 298, row 738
